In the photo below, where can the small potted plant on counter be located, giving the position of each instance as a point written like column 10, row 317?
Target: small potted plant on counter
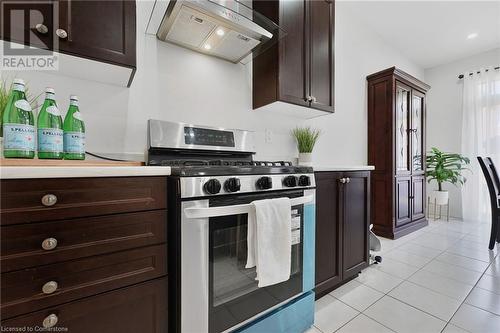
column 445, row 167
column 306, row 139
column 4, row 96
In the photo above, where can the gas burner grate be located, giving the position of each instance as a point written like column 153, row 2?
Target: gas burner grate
column 224, row 163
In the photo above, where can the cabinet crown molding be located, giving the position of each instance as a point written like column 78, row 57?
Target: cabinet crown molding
column 402, row 76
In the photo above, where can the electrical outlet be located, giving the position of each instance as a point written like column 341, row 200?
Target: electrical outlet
column 268, row 136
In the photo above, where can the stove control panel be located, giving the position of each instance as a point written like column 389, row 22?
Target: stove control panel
column 224, row 185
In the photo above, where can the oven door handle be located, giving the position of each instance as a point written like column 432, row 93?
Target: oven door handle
column 201, row 213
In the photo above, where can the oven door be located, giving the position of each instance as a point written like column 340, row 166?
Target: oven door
column 217, row 292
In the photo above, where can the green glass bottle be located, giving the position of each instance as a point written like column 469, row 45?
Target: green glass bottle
column 50, row 128
column 74, row 132
column 18, row 124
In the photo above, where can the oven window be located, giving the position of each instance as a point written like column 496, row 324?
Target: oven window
column 234, row 295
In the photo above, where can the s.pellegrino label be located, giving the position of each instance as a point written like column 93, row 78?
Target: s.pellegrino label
column 50, row 128
column 18, row 124
column 19, row 137
column 74, row 142
column 50, row 140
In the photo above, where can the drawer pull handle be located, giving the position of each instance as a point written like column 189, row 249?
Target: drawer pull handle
column 49, row 200
column 49, row 244
column 49, row 287
column 50, row 321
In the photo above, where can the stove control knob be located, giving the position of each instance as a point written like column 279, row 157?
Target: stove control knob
column 304, row 181
column 290, row 181
column 232, row 185
column 212, row 186
column 264, row 183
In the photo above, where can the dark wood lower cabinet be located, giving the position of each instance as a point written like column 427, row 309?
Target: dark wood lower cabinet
column 356, row 217
column 95, row 260
column 328, row 231
column 139, row 308
column 342, row 225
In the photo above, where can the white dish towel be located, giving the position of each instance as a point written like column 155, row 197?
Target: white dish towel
column 269, row 240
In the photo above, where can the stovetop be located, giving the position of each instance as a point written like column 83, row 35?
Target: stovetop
column 219, row 167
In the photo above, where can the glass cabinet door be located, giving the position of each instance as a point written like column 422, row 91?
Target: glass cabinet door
column 402, row 126
column 416, row 131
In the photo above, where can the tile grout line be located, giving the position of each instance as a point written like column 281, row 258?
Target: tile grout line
column 407, row 279
column 447, row 322
column 463, row 302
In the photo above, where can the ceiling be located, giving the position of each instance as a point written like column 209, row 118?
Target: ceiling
column 432, row 33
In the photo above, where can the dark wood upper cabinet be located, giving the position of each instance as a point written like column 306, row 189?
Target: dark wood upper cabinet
column 99, row 30
column 299, row 68
column 396, row 147
column 342, row 224
column 321, row 47
column 103, row 31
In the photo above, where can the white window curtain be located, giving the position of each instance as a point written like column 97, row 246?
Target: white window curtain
column 480, row 137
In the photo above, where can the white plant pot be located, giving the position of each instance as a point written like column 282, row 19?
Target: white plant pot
column 441, row 197
column 305, row 159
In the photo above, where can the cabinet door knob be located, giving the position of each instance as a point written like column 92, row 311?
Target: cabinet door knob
column 348, row 180
column 41, row 28
column 49, row 244
column 313, row 99
column 50, row 321
column 49, row 200
column 49, row 287
column 342, row 180
column 308, row 99
column 61, row 33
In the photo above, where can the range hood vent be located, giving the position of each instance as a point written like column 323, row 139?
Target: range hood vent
column 227, row 29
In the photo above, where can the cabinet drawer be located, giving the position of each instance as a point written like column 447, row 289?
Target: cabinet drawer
column 22, row 245
column 139, row 308
column 31, row 200
column 28, row 290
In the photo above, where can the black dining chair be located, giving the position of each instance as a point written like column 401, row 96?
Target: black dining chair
column 493, row 182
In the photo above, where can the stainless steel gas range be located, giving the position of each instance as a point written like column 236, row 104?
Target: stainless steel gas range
column 214, row 180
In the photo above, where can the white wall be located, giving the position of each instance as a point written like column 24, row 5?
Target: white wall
column 358, row 52
column 444, row 109
column 175, row 84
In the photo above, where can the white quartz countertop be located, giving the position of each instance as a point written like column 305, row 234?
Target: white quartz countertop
column 22, row 172
column 343, row 167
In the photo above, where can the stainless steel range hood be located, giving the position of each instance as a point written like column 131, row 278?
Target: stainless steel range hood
column 226, row 29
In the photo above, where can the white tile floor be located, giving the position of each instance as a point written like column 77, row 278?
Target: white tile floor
column 441, row 278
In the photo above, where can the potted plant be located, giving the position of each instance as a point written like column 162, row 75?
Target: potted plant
column 306, row 139
column 4, row 96
column 445, row 167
